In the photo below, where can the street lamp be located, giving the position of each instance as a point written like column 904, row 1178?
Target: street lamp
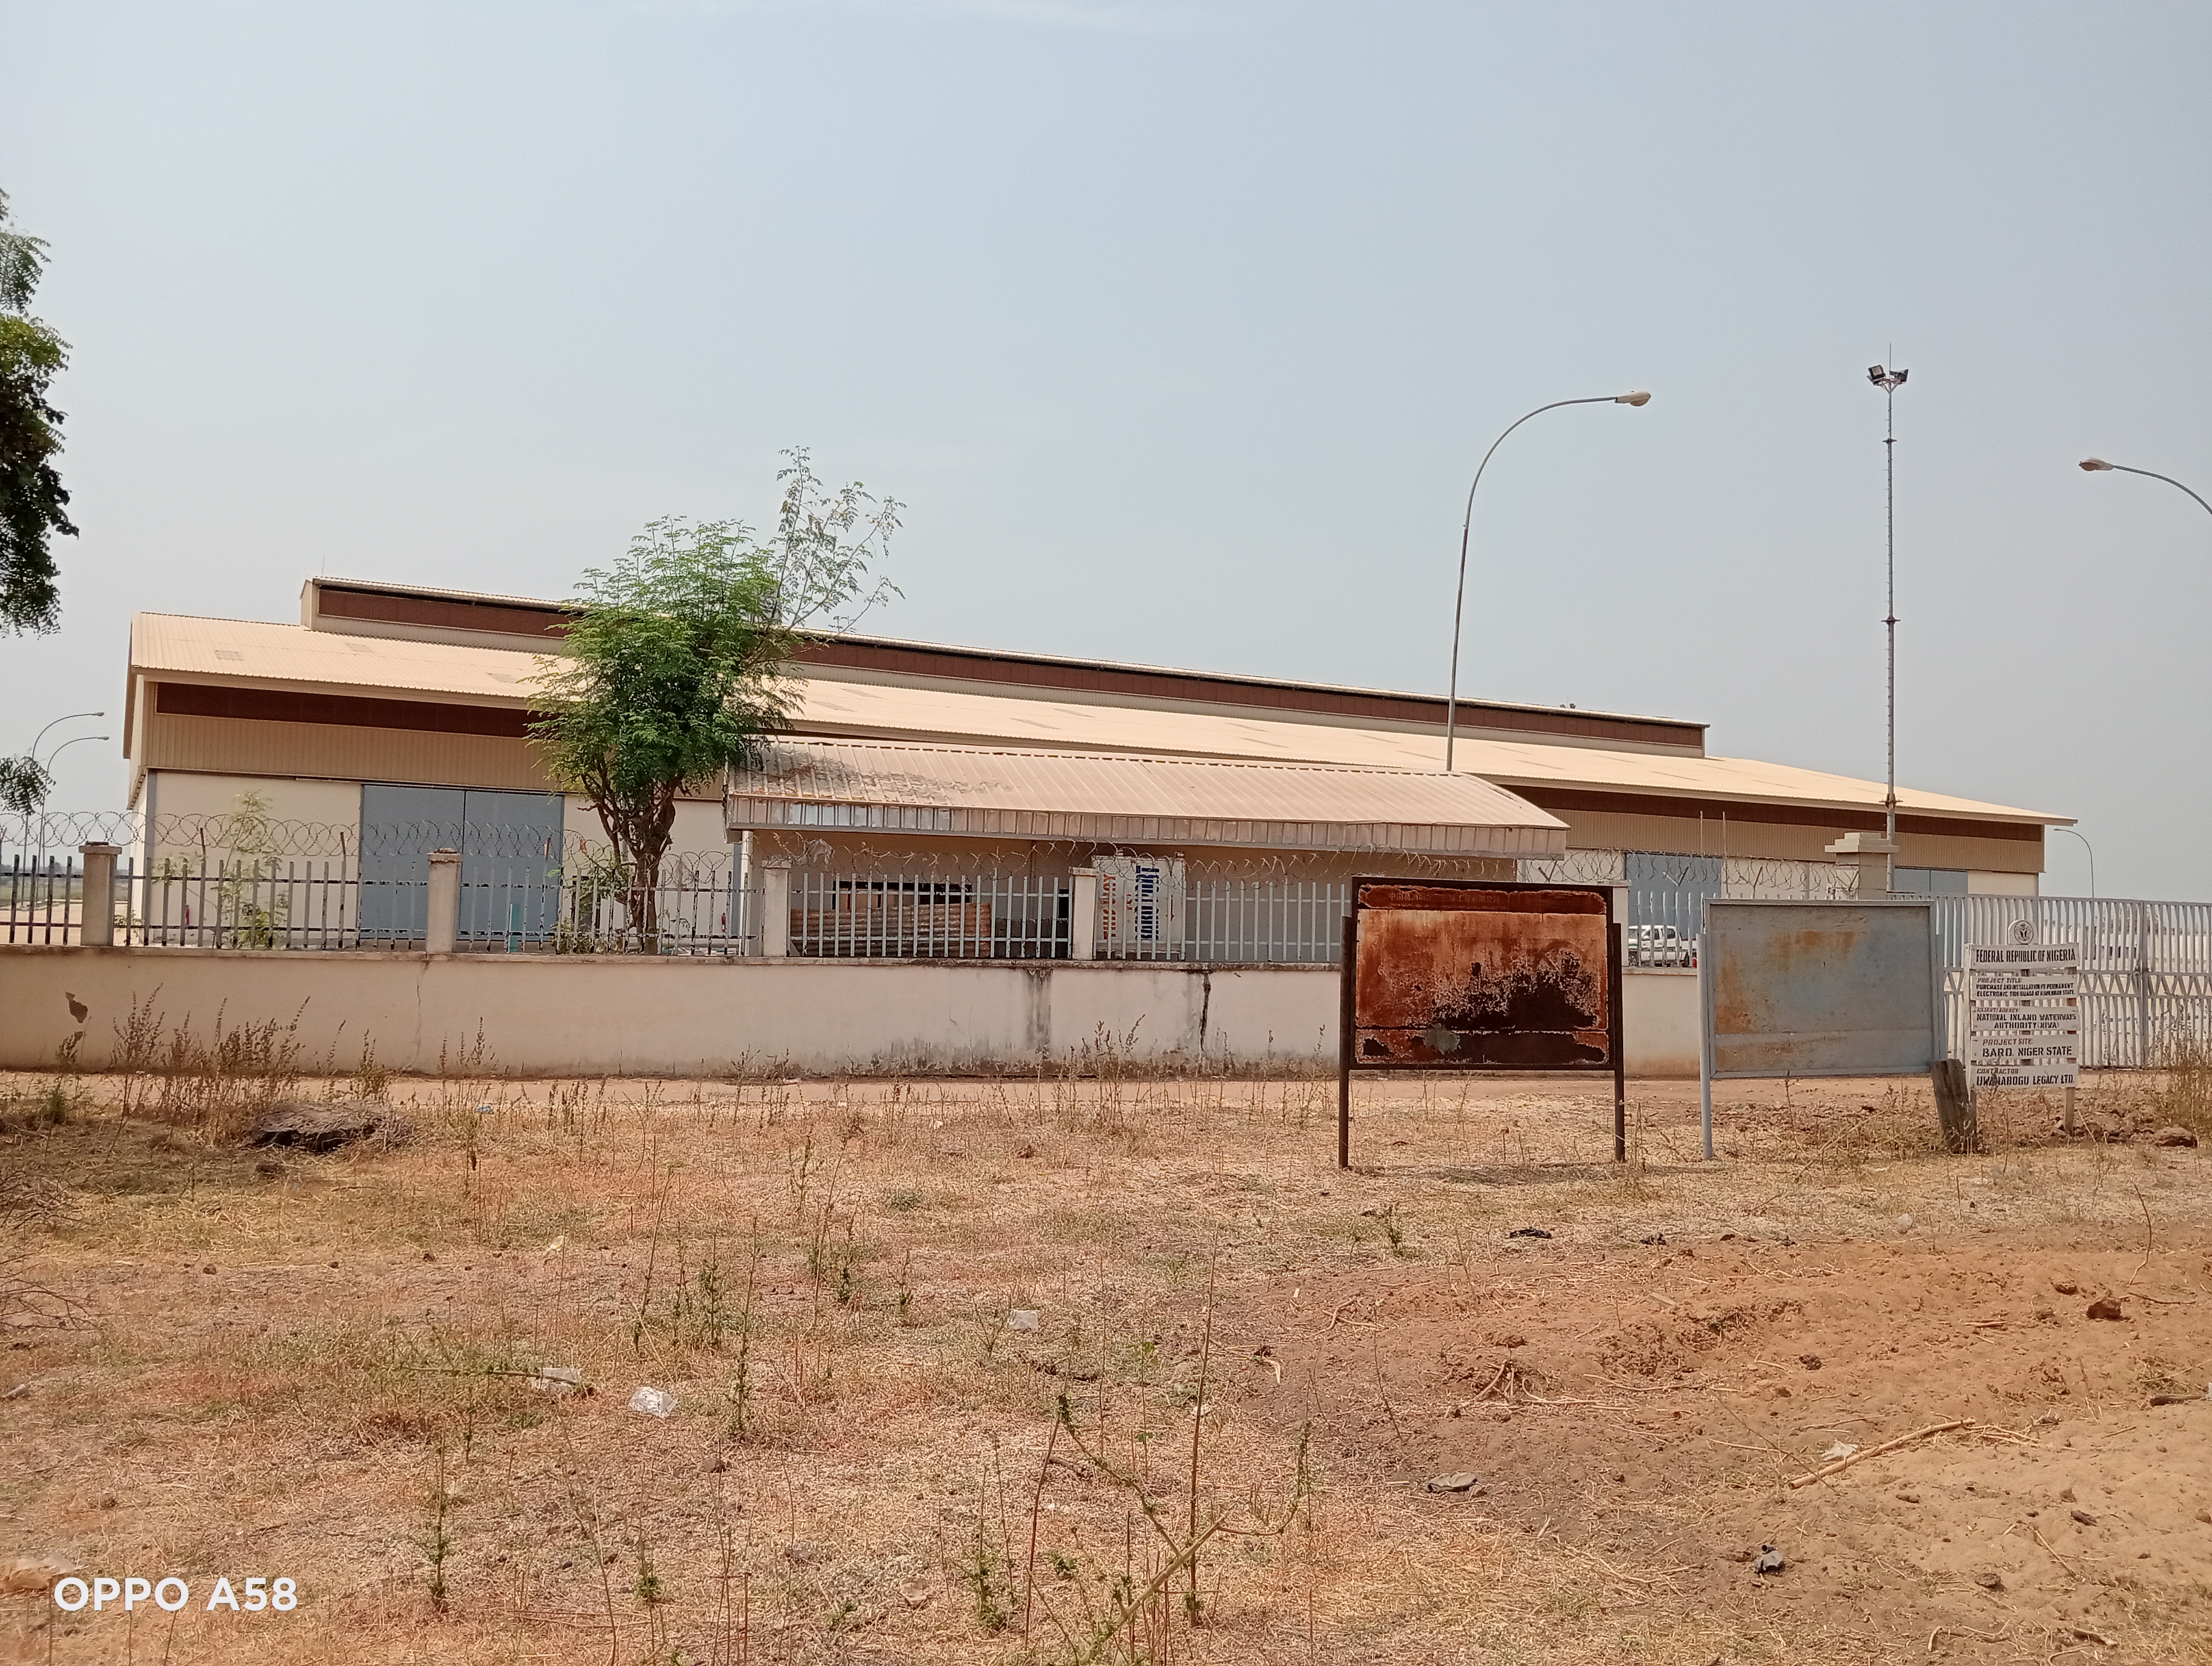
column 71, row 718
column 2091, row 849
column 1459, row 596
column 2098, row 465
column 71, row 742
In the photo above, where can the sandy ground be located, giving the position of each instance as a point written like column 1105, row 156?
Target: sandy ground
column 318, row 1368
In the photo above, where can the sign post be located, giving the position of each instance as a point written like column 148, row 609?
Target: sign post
column 1841, row 989
column 1477, row 975
column 2024, row 1015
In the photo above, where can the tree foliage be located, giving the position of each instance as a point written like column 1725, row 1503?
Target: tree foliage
column 33, row 505
column 24, row 784
column 825, row 543
column 675, row 665
column 671, row 675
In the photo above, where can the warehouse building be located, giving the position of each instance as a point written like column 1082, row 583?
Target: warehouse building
column 392, row 715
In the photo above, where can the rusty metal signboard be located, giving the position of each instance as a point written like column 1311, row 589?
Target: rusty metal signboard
column 1466, row 974
column 1844, row 989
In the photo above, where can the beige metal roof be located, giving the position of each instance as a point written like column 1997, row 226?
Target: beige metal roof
column 173, row 647
column 838, row 708
column 1114, row 798
column 1471, row 708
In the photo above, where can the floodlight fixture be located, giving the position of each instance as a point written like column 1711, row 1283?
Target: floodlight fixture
column 1888, row 380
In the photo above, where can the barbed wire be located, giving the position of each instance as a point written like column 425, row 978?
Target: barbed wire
column 1048, row 858
column 233, row 834
column 243, row 833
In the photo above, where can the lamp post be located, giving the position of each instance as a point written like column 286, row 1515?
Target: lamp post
column 2091, row 849
column 2098, row 465
column 71, row 742
column 71, row 718
column 1459, row 596
column 1889, row 382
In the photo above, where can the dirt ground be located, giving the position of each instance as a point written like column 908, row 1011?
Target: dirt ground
column 935, row 1349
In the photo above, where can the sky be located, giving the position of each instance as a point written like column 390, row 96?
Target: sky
column 1180, row 329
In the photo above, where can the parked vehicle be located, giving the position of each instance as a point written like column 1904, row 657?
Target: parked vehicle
column 1660, row 945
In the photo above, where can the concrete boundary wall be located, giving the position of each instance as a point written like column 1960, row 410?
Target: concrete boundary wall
column 587, row 1015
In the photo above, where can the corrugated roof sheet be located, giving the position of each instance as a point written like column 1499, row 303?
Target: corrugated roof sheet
column 291, row 656
column 1107, row 798
column 834, row 707
column 288, row 656
column 1471, row 708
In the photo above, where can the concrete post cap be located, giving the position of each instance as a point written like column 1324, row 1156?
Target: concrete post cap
column 1861, row 844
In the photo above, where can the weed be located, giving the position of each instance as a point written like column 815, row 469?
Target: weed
column 369, row 1079
column 985, row 1569
column 651, row 1594
column 216, row 1087
column 1394, row 1230
column 697, row 1313
column 738, row 1396
column 436, row 1541
column 2185, row 1092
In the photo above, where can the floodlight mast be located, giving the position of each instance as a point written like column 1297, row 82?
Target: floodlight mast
column 1889, row 382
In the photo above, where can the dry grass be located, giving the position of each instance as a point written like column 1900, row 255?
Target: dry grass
column 327, row 1372
column 2181, row 1091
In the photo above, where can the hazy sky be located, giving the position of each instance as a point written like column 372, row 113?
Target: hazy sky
column 1180, row 328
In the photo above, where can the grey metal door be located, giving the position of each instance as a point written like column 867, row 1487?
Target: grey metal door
column 400, row 826
column 510, row 867
column 510, row 845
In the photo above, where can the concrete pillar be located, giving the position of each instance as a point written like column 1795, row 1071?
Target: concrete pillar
column 97, row 928
column 444, row 931
column 776, row 908
column 1870, row 856
column 1620, row 923
column 1083, row 915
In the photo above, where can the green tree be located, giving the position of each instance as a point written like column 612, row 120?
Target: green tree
column 671, row 675
column 675, row 665
column 32, row 503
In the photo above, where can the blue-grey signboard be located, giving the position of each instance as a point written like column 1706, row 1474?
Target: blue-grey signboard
column 1844, row 989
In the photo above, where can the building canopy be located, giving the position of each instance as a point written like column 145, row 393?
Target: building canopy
column 1004, row 792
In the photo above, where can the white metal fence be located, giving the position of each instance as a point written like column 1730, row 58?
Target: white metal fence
column 1227, row 922
column 930, row 916
column 327, row 903
column 2146, row 968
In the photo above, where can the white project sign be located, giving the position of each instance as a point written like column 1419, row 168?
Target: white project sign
column 2024, row 1015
